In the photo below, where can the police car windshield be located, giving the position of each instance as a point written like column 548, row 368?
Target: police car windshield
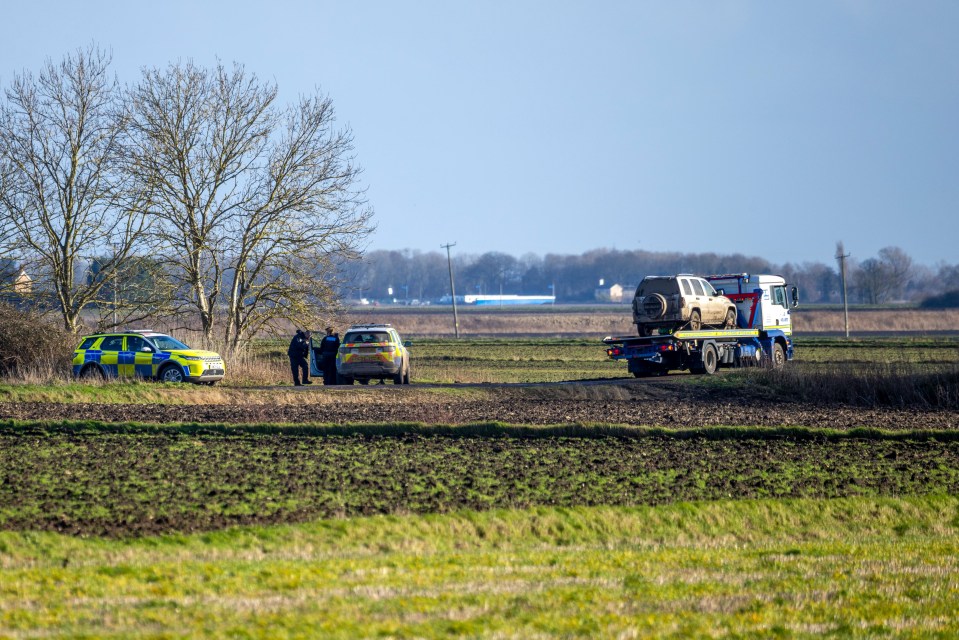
column 166, row 343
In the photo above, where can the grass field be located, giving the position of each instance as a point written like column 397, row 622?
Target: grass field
column 489, row 530
column 860, row 567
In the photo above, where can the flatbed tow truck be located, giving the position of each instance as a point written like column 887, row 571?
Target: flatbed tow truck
column 763, row 333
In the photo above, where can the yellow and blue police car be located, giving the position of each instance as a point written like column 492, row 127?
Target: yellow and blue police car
column 145, row 354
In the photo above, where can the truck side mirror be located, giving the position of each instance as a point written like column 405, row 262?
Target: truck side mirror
column 720, row 292
column 794, row 294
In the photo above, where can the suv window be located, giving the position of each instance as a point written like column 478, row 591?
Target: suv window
column 708, row 288
column 698, row 288
column 87, row 343
column 665, row 286
column 687, row 290
column 135, row 343
column 112, row 343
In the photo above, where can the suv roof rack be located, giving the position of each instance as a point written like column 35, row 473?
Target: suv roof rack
column 370, row 325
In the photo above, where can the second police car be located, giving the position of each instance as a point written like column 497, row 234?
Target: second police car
column 145, row 354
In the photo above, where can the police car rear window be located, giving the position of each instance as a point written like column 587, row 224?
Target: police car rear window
column 367, row 336
column 87, row 343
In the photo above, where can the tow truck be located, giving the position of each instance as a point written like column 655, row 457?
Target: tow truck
column 762, row 336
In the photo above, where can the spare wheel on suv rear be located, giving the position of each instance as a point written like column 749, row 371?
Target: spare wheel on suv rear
column 654, row 305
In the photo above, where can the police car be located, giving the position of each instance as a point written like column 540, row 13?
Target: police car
column 145, row 354
column 372, row 352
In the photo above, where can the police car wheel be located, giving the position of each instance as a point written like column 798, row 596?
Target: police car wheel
column 172, row 374
column 91, row 372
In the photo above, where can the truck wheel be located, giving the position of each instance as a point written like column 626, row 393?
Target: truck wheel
column 730, row 322
column 778, row 357
column 406, row 376
column 695, row 320
column 710, row 359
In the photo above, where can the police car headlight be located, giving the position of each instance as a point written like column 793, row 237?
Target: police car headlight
column 191, row 357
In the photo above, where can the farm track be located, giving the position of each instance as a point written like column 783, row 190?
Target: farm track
column 662, row 402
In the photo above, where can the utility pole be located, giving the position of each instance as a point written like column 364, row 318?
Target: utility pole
column 449, row 262
column 841, row 257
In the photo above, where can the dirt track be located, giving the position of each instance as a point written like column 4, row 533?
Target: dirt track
column 655, row 403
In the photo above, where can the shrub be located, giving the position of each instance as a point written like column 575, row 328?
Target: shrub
column 30, row 345
column 867, row 384
column 948, row 300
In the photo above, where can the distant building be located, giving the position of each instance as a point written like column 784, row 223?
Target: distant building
column 23, row 284
column 612, row 293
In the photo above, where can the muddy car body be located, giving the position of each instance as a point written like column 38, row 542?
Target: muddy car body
column 663, row 304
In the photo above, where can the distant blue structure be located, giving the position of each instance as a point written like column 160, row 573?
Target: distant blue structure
column 508, row 299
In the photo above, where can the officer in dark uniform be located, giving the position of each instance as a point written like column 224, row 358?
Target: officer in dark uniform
column 329, row 345
column 299, row 353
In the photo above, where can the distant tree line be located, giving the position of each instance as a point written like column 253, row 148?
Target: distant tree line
column 891, row 276
column 190, row 194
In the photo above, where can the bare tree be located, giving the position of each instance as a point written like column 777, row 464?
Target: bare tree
column 65, row 195
column 899, row 270
column 254, row 204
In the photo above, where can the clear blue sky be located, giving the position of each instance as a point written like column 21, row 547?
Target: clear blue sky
column 767, row 128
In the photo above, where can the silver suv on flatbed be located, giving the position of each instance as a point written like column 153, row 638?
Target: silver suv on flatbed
column 667, row 303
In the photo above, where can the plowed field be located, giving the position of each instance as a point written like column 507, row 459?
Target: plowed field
column 149, row 481
column 639, row 402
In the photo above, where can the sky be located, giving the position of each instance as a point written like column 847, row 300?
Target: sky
column 770, row 129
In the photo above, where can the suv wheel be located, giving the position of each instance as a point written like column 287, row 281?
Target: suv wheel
column 695, row 320
column 172, row 373
column 730, row 322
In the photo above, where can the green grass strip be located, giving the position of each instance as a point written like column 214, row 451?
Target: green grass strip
column 474, row 430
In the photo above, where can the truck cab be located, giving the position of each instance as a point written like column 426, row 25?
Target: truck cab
column 761, row 300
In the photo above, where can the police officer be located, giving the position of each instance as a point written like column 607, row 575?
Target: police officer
column 299, row 353
column 329, row 345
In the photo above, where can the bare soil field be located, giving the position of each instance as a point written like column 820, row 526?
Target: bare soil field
column 656, row 402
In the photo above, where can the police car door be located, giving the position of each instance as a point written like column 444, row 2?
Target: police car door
column 110, row 356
